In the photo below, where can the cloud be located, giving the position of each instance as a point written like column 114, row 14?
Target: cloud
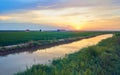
column 67, row 17
column 83, row 3
column 8, row 6
column 5, row 17
column 74, row 14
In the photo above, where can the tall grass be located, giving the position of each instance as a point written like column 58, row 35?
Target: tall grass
column 102, row 59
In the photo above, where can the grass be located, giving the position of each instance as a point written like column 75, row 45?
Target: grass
column 12, row 38
column 102, row 59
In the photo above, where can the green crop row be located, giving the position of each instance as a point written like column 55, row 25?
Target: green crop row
column 12, row 38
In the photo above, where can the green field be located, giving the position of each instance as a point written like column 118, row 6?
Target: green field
column 102, row 59
column 12, row 38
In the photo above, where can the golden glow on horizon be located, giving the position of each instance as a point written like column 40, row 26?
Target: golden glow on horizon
column 78, row 28
column 69, row 18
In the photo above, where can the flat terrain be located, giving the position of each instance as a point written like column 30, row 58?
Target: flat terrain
column 12, row 38
column 13, row 42
column 102, row 59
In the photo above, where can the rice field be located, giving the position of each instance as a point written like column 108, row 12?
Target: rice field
column 12, row 38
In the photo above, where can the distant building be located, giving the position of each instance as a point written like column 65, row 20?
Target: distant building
column 61, row 30
column 27, row 30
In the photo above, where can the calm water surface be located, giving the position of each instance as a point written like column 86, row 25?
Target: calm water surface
column 17, row 62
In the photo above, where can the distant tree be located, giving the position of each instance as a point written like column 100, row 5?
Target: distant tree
column 40, row 30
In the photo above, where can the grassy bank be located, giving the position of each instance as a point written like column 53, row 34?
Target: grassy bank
column 12, row 38
column 102, row 59
column 30, row 41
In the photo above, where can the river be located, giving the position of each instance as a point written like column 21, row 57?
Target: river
column 17, row 62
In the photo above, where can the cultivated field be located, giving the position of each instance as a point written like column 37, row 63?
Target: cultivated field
column 12, row 38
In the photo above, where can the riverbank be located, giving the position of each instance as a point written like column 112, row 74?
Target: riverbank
column 35, row 45
column 102, row 59
column 17, row 62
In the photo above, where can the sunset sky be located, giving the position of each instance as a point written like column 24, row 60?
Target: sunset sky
column 60, row 14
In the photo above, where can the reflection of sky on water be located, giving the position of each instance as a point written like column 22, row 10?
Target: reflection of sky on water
column 18, row 62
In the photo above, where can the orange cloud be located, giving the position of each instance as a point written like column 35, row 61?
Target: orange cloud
column 5, row 17
column 77, row 18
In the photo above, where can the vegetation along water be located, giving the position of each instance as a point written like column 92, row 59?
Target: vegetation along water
column 101, row 59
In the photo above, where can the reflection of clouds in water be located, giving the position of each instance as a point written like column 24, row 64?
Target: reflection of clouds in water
column 61, row 50
column 18, row 62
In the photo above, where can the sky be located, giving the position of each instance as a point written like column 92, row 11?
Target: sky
column 60, row 14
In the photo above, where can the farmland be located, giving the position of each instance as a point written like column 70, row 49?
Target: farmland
column 12, row 38
column 101, row 59
column 13, row 42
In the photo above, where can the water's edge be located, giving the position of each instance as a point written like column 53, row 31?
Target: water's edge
column 17, row 49
column 17, row 62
